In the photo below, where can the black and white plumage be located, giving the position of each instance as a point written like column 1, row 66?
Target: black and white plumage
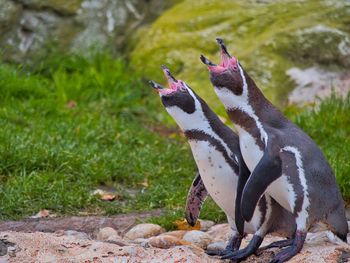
column 222, row 171
column 284, row 161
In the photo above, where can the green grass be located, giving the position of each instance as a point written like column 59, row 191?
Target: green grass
column 329, row 127
column 70, row 125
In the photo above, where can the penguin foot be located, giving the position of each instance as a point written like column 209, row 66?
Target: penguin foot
column 245, row 252
column 279, row 244
column 291, row 251
column 233, row 245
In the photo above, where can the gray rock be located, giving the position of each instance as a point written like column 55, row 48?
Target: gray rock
column 220, row 232
column 199, row 238
column 116, row 239
column 141, row 241
column 64, row 7
column 33, row 26
column 77, row 234
column 206, row 224
column 216, row 246
column 314, row 84
column 107, row 232
column 9, row 13
column 11, row 251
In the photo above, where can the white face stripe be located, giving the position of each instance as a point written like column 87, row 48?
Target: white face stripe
column 232, row 101
column 196, row 121
column 303, row 214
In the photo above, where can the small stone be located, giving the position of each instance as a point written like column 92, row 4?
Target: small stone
column 143, row 242
column 198, row 238
column 116, row 239
column 220, row 232
column 144, row 231
column 106, row 232
column 177, row 233
column 217, row 246
column 165, row 241
column 205, row 224
column 77, row 234
column 11, row 251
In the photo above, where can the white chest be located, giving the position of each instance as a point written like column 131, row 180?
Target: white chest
column 218, row 177
column 250, row 150
column 220, row 181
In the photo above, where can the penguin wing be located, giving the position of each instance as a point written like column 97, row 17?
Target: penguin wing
column 267, row 170
column 195, row 198
column 242, row 179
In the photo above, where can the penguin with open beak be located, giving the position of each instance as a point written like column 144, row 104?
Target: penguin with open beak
column 284, row 161
column 222, row 170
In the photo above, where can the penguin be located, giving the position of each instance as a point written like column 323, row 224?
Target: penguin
column 285, row 163
column 222, row 171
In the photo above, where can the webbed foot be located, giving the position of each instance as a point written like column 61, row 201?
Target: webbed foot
column 245, row 252
column 291, row 251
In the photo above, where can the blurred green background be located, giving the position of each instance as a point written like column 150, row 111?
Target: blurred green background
column 77, row 114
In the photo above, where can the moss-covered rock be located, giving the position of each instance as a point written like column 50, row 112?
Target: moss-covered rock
column 268, row 38
column 9, row 13
column 62, row 6
column 30, row 29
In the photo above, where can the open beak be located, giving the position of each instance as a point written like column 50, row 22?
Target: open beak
column 171, row 79
column 156, row 86
column 172, row 82
column 227, row 61
column 225, row 56
column 207, row 61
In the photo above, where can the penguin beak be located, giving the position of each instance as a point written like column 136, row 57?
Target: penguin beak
column 156, row 86
column 227, row 61
column 211, row 66
column 171, row 79
column 207, row 61
column 225, row 56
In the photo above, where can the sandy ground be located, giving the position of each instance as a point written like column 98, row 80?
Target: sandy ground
column 56, row 247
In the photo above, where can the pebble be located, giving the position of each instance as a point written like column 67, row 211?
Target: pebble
column 143, row 242
column 106, row 232
column 177, row 233
column 77, row 234
column 165, row 241
column 216, row 246
column 220, row 232
column 144, row 231
column 198, row 238
column 11, row 251
column 205, row 224
column 116, row 239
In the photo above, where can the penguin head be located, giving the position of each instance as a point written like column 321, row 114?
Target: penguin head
column 179, row 100
column 228, row 74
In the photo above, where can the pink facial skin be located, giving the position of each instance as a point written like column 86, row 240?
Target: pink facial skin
column 226, row 63
column 174, row 85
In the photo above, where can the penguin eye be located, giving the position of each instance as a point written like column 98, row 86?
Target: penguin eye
column 182, row 86
column 183, row 89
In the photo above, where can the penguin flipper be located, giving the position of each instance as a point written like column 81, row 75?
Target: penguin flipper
column 267, row 170
column 195, row 198
column 242, row 179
